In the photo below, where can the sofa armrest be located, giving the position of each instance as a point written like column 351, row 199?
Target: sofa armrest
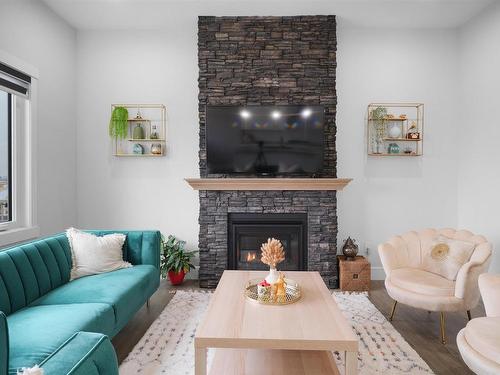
column 84, row 353
column 466, row 285
column 489, row 285
column 389, row 257
column 4, row 345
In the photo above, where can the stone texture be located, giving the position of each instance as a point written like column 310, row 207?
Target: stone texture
column 268, row 61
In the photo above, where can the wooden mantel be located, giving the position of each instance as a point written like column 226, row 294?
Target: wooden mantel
column 268, row 183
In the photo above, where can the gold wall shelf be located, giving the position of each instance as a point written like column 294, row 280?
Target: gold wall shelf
column 152, row 118
column 139, row 155
column 388, row 134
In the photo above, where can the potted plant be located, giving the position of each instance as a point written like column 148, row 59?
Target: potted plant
column 175, row 261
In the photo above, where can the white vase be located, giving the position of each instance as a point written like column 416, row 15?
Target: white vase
column 273, row 276
column 395, row 131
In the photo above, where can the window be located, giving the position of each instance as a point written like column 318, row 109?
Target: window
column 5, row 157
column 17, row 156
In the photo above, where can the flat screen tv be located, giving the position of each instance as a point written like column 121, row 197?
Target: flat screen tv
column 265, row 140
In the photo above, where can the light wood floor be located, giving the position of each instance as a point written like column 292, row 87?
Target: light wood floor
column 419, row 328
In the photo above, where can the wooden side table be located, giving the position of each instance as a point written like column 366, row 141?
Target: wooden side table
column 355, row 275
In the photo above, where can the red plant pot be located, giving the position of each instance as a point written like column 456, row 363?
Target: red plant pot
column 176, row 278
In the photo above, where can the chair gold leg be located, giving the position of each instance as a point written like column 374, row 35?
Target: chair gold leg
column 469, row 316
column 147, row 303
column 443, row 328
column 393, row 310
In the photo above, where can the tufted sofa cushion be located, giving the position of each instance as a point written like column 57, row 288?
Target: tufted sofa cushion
column 29, row 271
column 124, row 290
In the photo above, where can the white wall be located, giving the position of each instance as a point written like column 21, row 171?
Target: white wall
column 479, row 156
column 32, row 32
column 136, row 193
column 387, row 196
column 392, row 195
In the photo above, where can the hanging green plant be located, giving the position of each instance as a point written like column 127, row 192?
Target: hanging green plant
column 379, row 114
column 118, row 124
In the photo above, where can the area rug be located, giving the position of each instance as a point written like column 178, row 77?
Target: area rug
column 167, row 346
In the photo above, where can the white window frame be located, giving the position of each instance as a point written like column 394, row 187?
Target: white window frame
column 24, row 215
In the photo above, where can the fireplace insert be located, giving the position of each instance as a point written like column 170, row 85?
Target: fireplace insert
column 247, row 231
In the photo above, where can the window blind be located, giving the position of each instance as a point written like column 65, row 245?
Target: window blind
column 14, row 81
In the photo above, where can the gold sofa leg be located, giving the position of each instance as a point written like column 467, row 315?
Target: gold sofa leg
column 469, row 315
column 443, row 328
column 393, row 310
column 147, row 303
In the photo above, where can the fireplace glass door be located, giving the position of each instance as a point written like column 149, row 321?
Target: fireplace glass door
column 247, row 232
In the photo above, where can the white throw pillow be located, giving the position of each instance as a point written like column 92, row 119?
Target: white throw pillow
column 31, row 371
column 93, row 254
column 446, row 256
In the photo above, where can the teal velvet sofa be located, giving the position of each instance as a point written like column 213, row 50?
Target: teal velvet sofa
column 65, row 326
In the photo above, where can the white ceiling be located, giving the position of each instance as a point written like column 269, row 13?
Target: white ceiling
column 163, row 14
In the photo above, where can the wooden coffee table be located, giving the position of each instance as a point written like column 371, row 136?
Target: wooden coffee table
column 251, row 338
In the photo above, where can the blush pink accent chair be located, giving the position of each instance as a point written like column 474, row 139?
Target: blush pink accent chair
column 479, row 341
column 406, row 282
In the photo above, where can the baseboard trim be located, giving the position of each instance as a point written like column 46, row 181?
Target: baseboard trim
column 378, row 273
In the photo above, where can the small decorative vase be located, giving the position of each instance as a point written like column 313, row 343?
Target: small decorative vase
column 138, row 132
column 156, row 148
column 395, row 131
column 273, row 276
column 393, row 148
column 350, row 249
column 138, row 149
column 154, row 133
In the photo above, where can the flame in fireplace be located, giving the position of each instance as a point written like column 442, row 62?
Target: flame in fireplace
column 251, row 256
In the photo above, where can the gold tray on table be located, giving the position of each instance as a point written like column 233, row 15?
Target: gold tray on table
column 292, row 291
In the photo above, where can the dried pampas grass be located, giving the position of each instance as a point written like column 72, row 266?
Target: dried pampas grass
column 272, row 252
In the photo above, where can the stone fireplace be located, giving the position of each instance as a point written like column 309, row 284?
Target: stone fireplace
column 316, row 208
column 268, row 61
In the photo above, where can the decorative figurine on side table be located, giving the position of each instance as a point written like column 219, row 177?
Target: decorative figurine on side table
column 413, row 132
column 350, row 249
column 281, row 288
column 264, row 290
